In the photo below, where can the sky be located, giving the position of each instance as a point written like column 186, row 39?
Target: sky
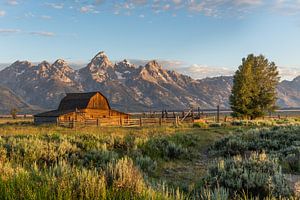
column 196, row 37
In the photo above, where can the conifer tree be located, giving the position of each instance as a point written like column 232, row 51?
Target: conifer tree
column 254, row 88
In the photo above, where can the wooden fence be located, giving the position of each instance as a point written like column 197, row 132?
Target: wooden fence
column 135, row 122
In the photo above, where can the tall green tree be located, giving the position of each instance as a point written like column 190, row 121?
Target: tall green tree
column 254, row 88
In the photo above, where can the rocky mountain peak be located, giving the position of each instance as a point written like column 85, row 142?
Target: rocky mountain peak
column 126, row 62
column 153, row 66
column 62, row 65
column 60, row 62
column 153, row 72
column 100, row 58
column 124, row 65
column 99, row 69
column 101, row 54
column 99, row 62
column 16, row 70
column 44, row 65
column 21, row 64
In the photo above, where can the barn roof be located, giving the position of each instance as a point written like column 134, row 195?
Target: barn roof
column 53, row 113
column 75, row 101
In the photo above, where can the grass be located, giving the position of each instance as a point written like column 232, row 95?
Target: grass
column 49, row 162
column 14, row 121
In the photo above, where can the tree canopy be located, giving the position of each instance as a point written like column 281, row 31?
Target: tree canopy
column 254, row 87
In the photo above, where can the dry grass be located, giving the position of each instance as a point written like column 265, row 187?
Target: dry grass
column 95, row 151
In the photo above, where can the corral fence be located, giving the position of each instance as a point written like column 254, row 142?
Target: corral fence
column 113, row 122
column 173, row 118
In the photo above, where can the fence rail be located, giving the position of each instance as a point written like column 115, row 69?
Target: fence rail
column 121, row 122
column 215, row 116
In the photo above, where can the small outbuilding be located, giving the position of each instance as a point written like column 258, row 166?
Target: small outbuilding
column 81, row 107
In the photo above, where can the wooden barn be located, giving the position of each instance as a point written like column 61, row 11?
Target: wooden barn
column 81, row 107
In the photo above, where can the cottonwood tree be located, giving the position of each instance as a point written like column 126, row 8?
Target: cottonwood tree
column 254, row 88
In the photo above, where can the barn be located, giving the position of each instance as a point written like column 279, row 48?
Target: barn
column 81, row 107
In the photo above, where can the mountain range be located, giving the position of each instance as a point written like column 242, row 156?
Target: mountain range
column 35, row 87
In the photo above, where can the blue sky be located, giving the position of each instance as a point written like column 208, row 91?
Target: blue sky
column 204, row 35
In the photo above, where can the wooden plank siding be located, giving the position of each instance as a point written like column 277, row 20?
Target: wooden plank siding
column 82, row 107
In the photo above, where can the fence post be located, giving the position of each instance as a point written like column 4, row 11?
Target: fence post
column 218, row 113
column 141, row 123
column 176, row 121
column 97, row 122
column 73, row 123
column 121, row 121
column 57, row 121
column 159, row 121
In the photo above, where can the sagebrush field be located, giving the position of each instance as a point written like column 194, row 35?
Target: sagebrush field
column 221, row 161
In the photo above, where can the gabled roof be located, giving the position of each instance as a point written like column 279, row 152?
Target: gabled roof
column 75, row 101
column 53, row 113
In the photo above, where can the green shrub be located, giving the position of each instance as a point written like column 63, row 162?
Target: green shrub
column 280, row 142
column 256, row 175
column 163, row 148
column 237, row 123
column 290, row 159
column 124, row 143
column 98, row 159
column 146, row 164
column 186, row 140
column 200, row 125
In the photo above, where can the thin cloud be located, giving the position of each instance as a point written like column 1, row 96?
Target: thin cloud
column 55, row 5
column 166, row 64
column 2, row 13
column 46, row 17
column 249, row 2
column 202, row 71
column 288, row 73
column 36, row 33
column 42, row 33
column 289, row 7
column 177, row 2
column 212, row 8
column 206, row 7
column 9, row 31
column 87, row 9
column 29, row 15
column 13, row 2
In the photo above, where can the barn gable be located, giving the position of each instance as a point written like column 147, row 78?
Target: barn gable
column 91, row 100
